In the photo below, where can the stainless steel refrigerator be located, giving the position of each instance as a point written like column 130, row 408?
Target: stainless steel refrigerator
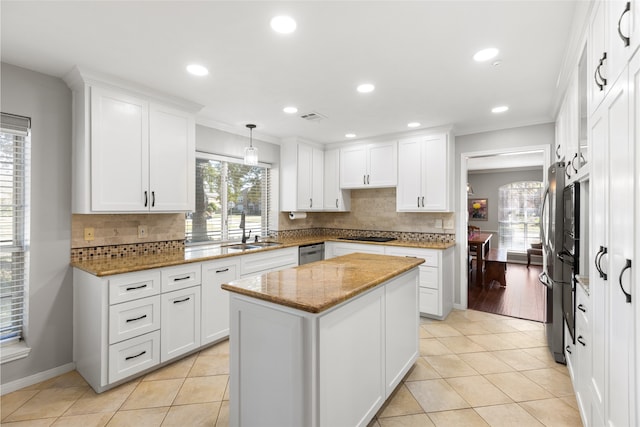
column 552, row 274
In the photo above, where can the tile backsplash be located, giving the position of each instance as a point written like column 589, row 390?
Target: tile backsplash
column 373, row 210
column 118, row 229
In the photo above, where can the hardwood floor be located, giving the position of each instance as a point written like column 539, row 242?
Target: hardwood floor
column 523, row 297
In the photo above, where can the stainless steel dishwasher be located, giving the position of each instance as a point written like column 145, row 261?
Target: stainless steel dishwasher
column 310, row 253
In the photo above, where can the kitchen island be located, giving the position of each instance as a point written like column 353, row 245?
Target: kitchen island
column 323, row 344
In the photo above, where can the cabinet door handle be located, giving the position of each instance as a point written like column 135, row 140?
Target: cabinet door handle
column 146, row 198
column 603, row 251
column 310, row 202
column 567, row 172
column 573, row 162
column 137, row 355
column 153, row 199
column 568, row 349
column 368, row 182
column 177, row 279
column 599, row 74
column 137, row 318
column 336, row 203
column 557, row 152
column 133, row 288
column 222, row 271
column 364, row 179
column 418, row 201
column 625, row 40
column 581, row 340
column 581, row 308
column 181, row 300
column 626, row 267
column 423, row 201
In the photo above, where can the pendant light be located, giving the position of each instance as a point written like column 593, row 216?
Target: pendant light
column 251, row 152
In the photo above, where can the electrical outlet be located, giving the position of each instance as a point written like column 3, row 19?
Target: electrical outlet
column 142, row 231
column 89, row 234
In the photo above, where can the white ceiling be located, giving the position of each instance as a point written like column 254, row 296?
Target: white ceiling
column 417, row 53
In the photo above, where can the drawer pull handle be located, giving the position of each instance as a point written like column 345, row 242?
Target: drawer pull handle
column 177, row 279
column 181, row 300
column 133, row 288
column 581, row 340
column 568, row 349
column 222, row 271
column 625, row 40
column 137, row 318
column 627, row 266
column 137, row 355
column 581, row 308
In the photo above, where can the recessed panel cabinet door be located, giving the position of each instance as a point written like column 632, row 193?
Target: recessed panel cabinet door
column 119, row 151
column 171, row 160
column 409, row 191
column 180, row 322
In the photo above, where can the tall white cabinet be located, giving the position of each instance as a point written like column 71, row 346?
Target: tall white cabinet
column 610, row 395
column 133, row 150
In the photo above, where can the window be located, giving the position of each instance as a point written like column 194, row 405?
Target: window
column 225, row 188
column 14, row 225
column 519, row 214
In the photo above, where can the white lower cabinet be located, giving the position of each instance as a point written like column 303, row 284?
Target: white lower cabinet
column 215, row 301
column 335, row 368
column 135, row 355
column 180, row 326
column 436, row 278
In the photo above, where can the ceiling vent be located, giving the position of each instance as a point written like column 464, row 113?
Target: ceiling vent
column 313, row 116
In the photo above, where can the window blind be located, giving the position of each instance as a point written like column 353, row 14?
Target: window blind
column 519, row 214
column 14, row 223
column 225, row 189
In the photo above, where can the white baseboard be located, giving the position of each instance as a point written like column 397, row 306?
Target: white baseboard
column 35, row 378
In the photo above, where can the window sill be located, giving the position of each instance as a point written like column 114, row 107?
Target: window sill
column 13, row 352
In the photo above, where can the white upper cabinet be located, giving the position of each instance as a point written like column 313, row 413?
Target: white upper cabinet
column 369, row 166
column 424, row 174
column 131, row 153
column 335, row 198
column 613, row 38
column 301, row 176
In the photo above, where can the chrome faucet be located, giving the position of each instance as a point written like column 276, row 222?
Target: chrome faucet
column 242, row 226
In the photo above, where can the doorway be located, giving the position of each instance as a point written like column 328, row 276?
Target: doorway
column 490, row 170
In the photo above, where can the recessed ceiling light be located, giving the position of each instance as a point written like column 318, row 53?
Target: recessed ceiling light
column 486, row 54
column 500, row 109
column 290, row 110
column 366, row 88
column 283, row 24
column 197, row 70
column 350, row 135
column 413, row 124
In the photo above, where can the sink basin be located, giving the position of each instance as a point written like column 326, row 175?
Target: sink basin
column 253, row 245
column 264, row 244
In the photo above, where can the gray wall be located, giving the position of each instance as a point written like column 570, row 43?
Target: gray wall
column 486, row 184
column 47, row 100
column 543, row 134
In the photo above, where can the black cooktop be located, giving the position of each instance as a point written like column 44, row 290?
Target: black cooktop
column 369, row 239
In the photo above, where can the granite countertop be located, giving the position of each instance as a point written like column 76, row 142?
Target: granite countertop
column 128, row 264
column 321, row 285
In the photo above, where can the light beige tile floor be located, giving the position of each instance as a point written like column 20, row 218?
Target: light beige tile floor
column 475, row 369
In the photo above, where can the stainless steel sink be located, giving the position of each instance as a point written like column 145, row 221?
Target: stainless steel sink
column 264, row 244
column 248, row 246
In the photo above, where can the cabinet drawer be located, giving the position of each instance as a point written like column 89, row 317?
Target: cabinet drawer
column 429, row 278
column 133, row 318
column 268, row 261
column 180, row 277
column 130, row 286
column 430, row 301
column 430, row 256
column 132, row 356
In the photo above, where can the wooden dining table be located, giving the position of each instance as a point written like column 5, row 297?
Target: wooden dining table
column 481, row 242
